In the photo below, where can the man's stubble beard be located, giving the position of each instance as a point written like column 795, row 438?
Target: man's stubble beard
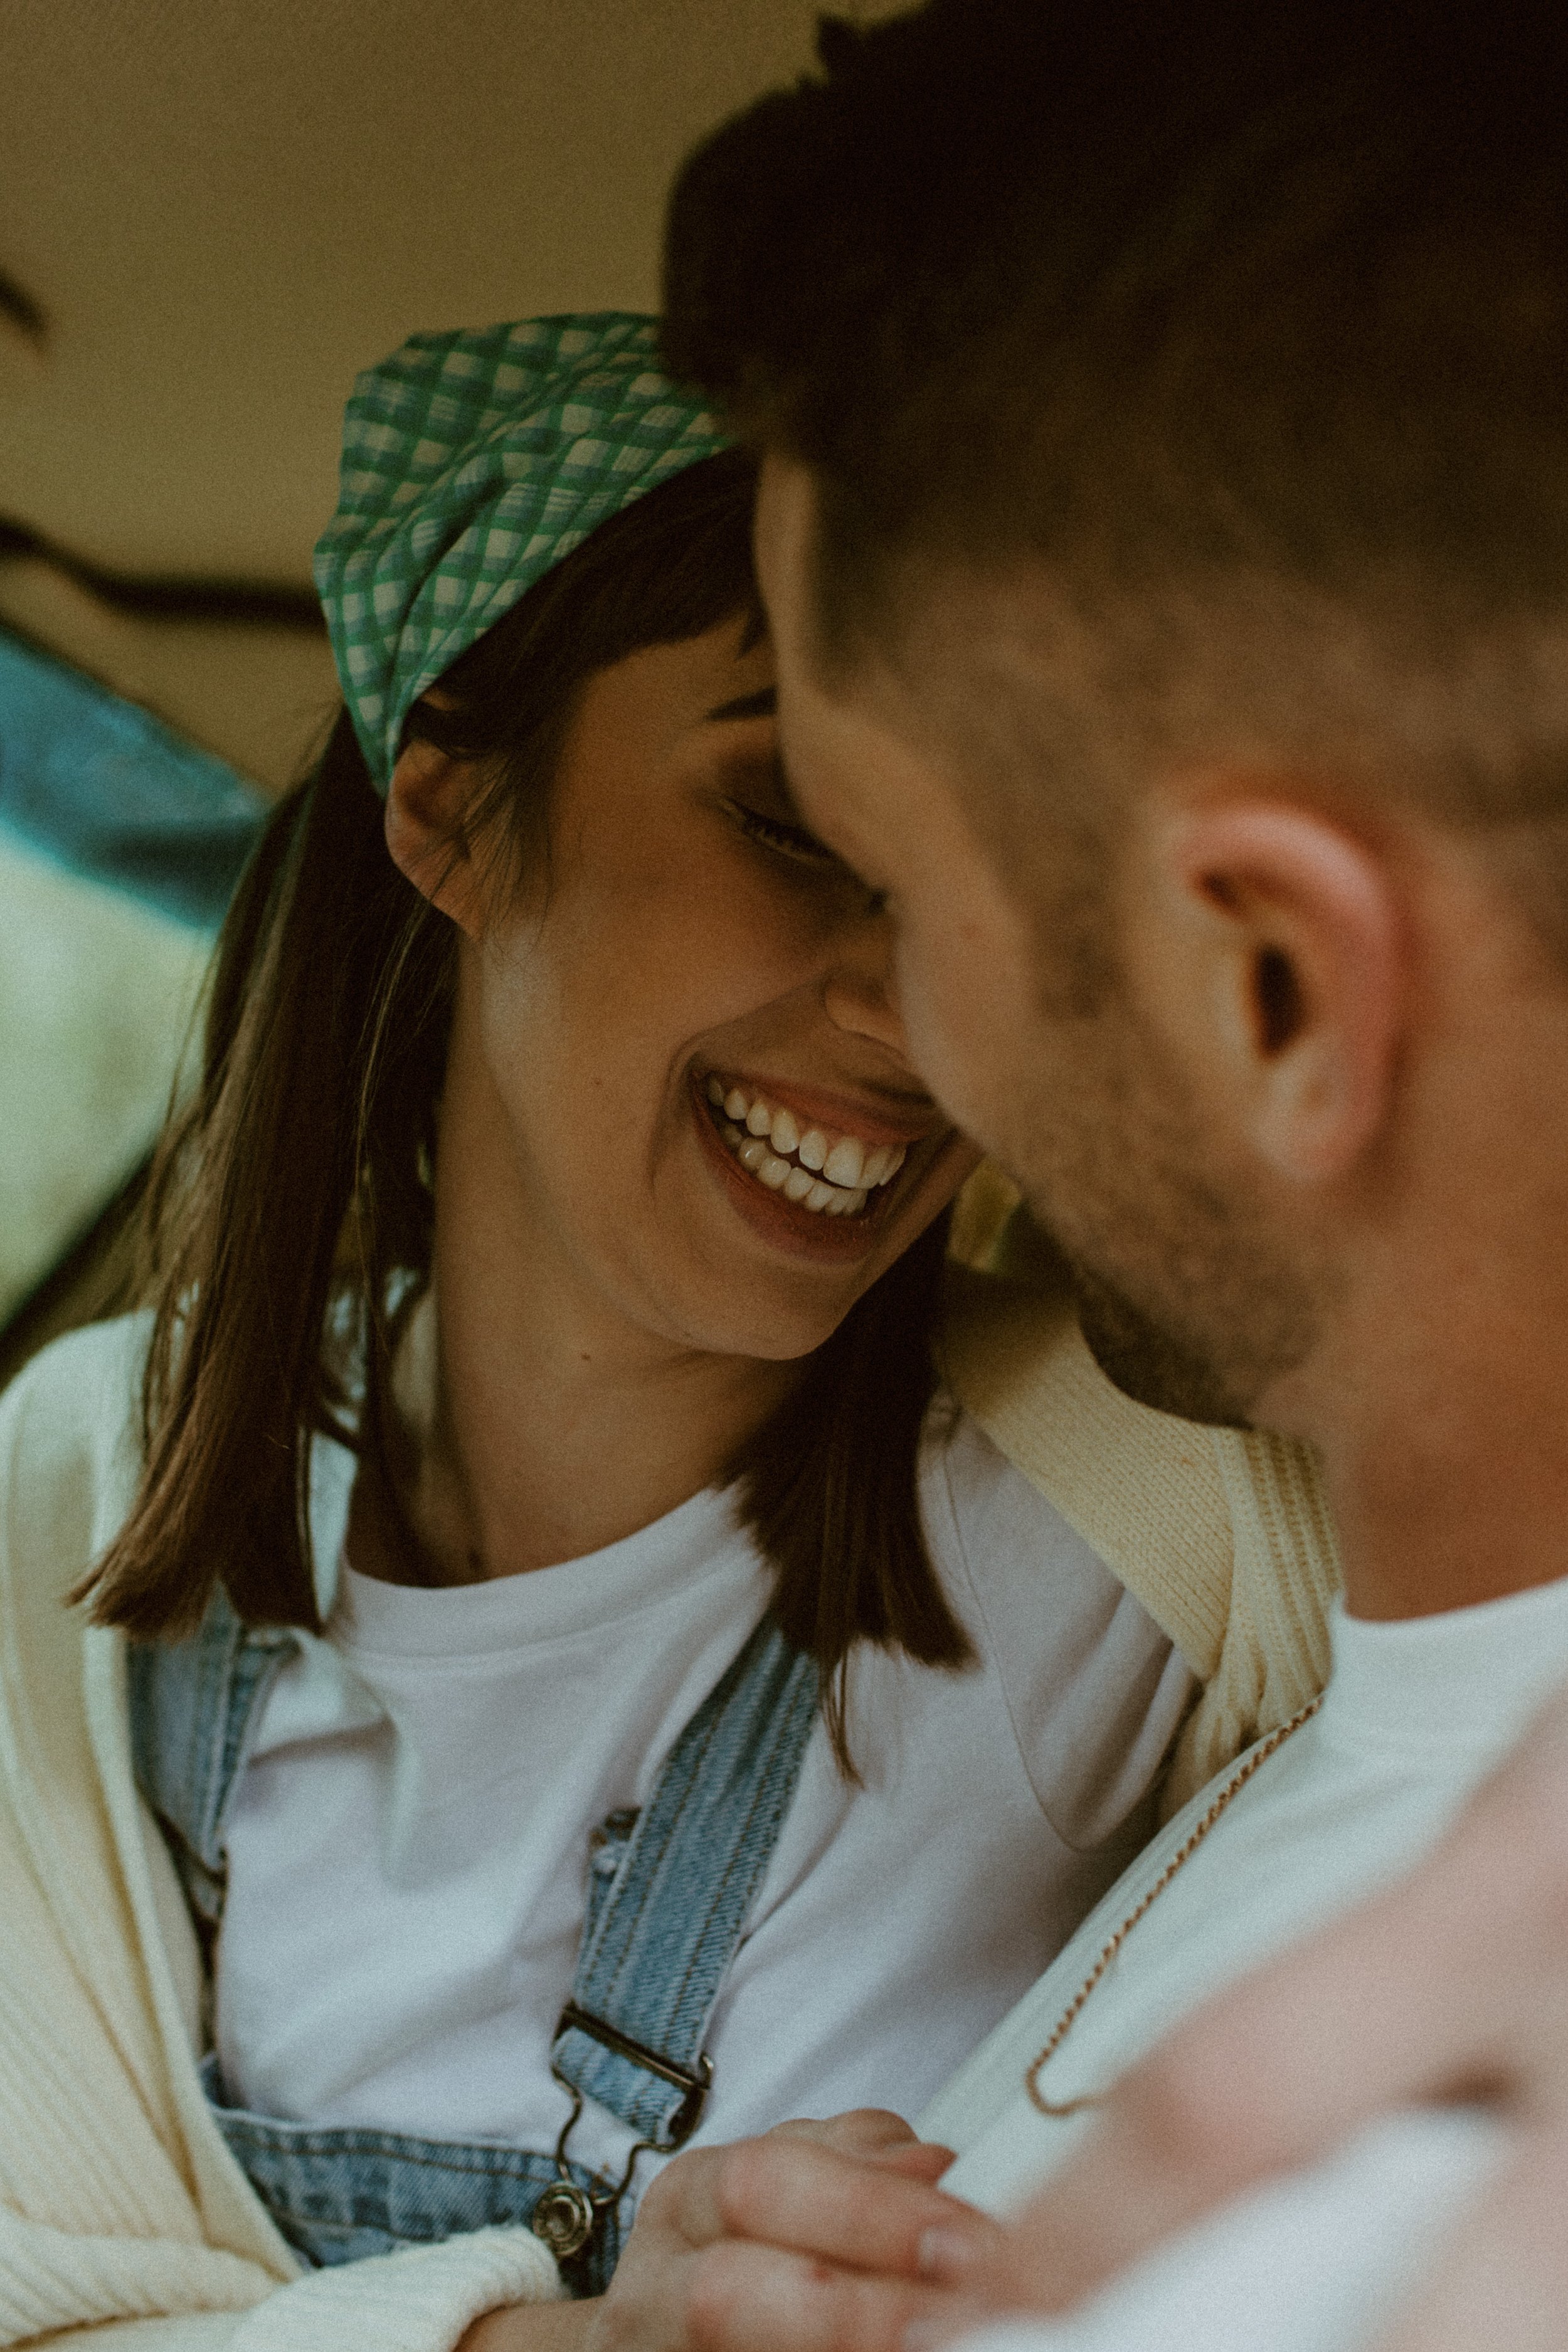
column 1188, row 1300
column 1150, row 1363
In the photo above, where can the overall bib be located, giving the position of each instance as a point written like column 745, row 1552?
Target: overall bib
column 669, row 1891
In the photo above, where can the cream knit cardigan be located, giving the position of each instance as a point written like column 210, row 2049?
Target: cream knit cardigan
column 120, row 2207
column 120, row 2202
column 1223, row 1534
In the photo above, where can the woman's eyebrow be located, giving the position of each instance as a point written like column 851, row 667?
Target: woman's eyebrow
column 761, row 705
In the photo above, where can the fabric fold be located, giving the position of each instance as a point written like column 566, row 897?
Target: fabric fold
column 1224, row 1535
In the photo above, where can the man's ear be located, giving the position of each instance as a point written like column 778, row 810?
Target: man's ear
column 1294, row 987
column 424, row 831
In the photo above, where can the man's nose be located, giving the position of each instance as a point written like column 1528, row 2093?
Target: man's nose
column 858, row 992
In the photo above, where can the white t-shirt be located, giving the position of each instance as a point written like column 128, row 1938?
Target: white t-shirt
column 1416, row 1714
column 408, row 1848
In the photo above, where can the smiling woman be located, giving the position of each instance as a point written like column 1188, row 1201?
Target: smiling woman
column 590, row 812
column 597, row 1691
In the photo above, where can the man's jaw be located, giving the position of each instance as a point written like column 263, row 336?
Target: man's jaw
column 1150, row 1363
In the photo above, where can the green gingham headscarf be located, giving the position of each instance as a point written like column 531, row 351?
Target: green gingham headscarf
column 472, row 462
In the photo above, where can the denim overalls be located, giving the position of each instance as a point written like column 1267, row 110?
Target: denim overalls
column 669, row 1891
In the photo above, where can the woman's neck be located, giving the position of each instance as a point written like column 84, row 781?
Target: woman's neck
column 531, row 1424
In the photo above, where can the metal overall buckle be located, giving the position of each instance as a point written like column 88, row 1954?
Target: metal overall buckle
column 566, row 2216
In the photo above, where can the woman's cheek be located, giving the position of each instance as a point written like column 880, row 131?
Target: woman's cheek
column 739, row 948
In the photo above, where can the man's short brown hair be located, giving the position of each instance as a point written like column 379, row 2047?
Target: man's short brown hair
column 1248, row 323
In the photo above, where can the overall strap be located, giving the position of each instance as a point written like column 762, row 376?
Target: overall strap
column 670, row 1889
column 193, row 1705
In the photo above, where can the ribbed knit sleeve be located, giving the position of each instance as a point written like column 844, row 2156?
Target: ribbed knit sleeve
column 97, row 2218
column 418, row 2300
column 121, row 2210
column 422, row 2299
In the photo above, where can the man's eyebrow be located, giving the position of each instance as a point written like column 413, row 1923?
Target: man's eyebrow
column 761, row 705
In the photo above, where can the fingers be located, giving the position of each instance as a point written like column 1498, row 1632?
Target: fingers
column 877, row 2136
column 1452, row 1986
column 863, row 2131
column 839, row 2209
column 818, row 2236
column 1265, row 2078
column 803, row 2186
column 921, row 2160
column 744, row 2297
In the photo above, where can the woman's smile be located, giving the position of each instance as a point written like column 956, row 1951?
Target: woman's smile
column 817, row 1172
column 691, row 970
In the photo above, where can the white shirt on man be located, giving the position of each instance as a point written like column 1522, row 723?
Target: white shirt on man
column 1414, row 1715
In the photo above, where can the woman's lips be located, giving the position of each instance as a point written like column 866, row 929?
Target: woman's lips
column 834, row 1114
column 846, row 1231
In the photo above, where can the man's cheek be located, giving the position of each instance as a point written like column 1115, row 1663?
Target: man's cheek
column 956, row 1027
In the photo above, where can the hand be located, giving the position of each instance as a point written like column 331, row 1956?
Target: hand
column 814, row 2239
column 1451, row 1986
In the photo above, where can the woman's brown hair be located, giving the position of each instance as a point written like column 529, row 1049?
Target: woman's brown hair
column 290, row 1217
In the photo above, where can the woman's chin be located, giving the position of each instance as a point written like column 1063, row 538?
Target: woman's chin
column 742, row 1295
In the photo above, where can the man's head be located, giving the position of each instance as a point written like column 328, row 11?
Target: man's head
column 1166, row 529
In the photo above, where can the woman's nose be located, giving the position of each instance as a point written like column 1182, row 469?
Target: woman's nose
column 858, row 992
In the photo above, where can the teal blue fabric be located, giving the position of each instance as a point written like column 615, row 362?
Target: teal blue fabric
column 472, row 462
column 106, row 791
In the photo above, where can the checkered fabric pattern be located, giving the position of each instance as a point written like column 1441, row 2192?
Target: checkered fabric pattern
column 472, row 462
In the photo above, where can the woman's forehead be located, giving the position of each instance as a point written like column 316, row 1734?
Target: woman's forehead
column 684, row 692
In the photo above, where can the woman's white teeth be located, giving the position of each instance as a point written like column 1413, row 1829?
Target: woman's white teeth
column 843, row 1163
column 766, row 1166
column 834, row 1179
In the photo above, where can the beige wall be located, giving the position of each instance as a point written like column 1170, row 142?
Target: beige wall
column 229, row 205
column 226, row 206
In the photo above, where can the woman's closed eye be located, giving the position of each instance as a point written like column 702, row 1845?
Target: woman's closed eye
column 783, row 839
